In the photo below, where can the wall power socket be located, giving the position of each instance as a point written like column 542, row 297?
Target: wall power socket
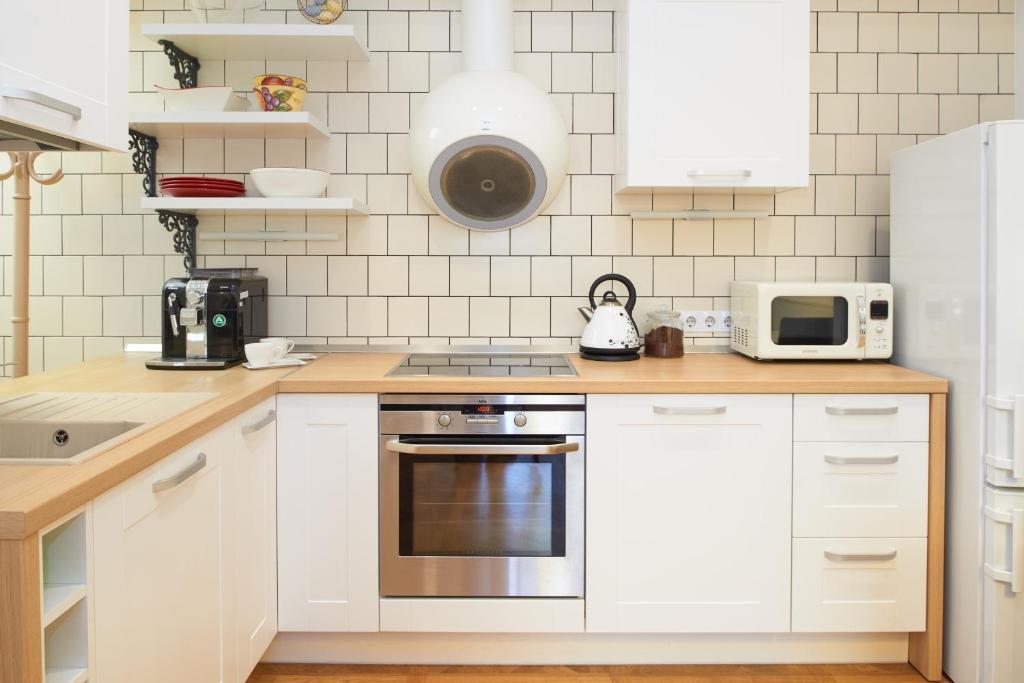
column 707, row 321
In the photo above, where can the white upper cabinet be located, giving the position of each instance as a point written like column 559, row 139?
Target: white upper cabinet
column 688, row 513
column 712, row 94
column 64, row 71
column 327, row 513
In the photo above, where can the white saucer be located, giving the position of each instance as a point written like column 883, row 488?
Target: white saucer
column 302, row 356
column 283, row 363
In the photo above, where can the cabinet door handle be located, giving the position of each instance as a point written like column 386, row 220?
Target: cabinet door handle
column 862, row 459
column 860, row 557
column 692, row 410
column 843, row 410
column 39, row 98
column 719, row 173
column 175, row 479
column 270, row 417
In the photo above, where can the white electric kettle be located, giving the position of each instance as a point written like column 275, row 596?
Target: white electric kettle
column 610, row 333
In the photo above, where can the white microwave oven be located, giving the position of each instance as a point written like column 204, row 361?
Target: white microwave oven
column 812, row 320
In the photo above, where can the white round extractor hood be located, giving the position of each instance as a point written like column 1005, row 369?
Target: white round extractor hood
column 489, row 150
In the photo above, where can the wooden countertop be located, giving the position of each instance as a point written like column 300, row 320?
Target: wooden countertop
column 32, row 496
column 698, row 373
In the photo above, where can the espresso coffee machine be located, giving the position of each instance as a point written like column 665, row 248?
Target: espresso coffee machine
column 209, row 317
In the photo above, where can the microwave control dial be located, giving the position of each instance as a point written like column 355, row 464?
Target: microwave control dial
column 444, row 419
column 520, row 420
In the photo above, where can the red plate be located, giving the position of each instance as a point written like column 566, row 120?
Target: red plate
column 200, row 192
column 197, row 178
column 196, row 183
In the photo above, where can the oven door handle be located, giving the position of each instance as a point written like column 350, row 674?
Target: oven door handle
column 397, row 446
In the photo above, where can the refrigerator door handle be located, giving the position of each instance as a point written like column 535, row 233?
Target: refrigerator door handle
column 1015, row 405
column 1014, row 575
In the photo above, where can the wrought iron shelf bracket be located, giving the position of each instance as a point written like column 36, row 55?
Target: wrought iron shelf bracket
column 186, row 67
column 183, row 227
column 143, row 148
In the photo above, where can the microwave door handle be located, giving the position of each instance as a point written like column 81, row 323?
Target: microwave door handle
column 862, row 322
column 398, row 446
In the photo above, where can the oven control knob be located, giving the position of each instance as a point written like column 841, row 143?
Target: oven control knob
column 444, row 419
column 520, row 420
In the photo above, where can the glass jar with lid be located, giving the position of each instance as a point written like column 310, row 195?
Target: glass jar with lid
column 665, row 338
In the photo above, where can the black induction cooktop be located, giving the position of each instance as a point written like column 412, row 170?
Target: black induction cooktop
column 484, row 365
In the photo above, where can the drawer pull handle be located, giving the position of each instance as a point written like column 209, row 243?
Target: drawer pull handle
column 841, row 410
column 270, row 417
column 862, row 459
column 694, row 410
column 1014, row 575
column 176, row 479
column 860, row 557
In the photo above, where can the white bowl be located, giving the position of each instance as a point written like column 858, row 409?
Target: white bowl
column 289, row 182
column 203, row 98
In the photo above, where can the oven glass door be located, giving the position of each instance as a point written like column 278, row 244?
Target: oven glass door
column 481, row 505
column 481, row 516
column 810, row 321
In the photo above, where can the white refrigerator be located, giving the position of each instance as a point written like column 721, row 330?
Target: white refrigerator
column 957, row 266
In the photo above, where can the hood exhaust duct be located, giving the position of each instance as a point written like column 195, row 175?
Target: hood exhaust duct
column 489, row 149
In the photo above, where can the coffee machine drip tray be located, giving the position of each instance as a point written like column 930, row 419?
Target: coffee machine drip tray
column 191, row 363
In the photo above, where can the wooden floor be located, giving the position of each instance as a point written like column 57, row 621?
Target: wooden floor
column 332, row 673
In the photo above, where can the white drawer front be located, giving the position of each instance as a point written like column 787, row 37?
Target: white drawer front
column 859, row 585
column 864, row 489
column 695, row 409
column 860, row 417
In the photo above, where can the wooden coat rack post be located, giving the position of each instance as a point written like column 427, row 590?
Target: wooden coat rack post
column 23, row 170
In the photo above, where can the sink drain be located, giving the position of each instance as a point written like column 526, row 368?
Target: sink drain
column 61, row 437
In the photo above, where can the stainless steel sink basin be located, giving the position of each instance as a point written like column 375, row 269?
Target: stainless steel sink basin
column 57, row 428
column 23, row 441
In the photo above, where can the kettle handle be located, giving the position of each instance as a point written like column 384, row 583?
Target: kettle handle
column 630, row 289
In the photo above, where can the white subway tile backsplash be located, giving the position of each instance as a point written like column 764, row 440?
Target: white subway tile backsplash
column 408, row 316
column 885, row 74
column 552, row 32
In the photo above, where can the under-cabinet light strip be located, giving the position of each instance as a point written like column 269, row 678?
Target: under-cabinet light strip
column 698, row 214
column 268, row 236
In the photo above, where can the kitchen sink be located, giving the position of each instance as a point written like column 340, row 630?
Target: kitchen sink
column 55, row 428
column 31, row 441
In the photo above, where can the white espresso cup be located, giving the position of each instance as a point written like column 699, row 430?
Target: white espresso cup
column 260, row 353
column 282, row 346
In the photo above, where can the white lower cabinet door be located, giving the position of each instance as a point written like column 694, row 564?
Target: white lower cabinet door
column 851, row 585
column 158, row 557
column 253, row 570
column 327, row 513
column 688, row 513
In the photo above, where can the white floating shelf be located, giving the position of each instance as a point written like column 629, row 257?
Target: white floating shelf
column 698, row 214
column 67, row 675
column 257, row 205
column 298, row 42
column 59, row 598
column 229, row 124
column 269, row 236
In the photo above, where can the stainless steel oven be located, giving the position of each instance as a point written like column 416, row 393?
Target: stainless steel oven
column 481, row 496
